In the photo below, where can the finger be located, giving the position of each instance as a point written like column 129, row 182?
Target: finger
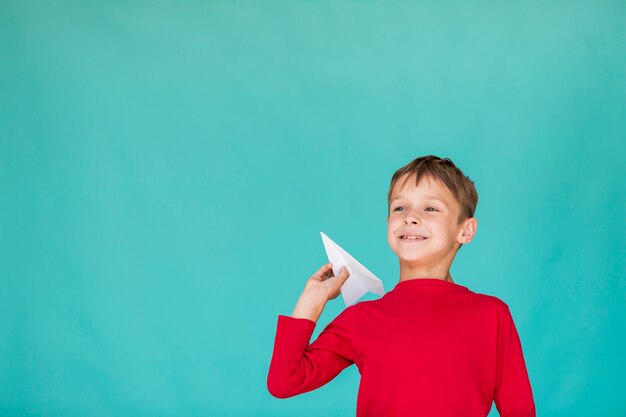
column 321, row 273
column 343, row 275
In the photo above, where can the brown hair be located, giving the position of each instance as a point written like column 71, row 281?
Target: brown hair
column 443, row 170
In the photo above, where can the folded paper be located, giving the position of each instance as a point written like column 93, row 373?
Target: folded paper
column 361, row 280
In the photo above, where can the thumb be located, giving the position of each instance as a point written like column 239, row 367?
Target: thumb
column 343, row 275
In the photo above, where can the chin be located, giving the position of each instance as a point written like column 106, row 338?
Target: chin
column 412, row 259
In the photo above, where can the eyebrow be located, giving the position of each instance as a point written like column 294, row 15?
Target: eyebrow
column 430, row 197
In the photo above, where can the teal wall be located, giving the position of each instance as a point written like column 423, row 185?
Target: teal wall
column 166, row 168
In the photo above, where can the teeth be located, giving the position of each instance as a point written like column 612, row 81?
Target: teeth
column 413, row 237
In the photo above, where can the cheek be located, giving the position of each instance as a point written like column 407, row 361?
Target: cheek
column 390, row 230
column 391, row 242
column 392, row 227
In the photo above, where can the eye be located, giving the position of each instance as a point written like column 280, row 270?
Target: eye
column 397, row 208
column 427, row 209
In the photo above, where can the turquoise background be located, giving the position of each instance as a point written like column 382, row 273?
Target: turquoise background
column 166, row 168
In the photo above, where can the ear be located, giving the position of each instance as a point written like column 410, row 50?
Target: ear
column 468, row 230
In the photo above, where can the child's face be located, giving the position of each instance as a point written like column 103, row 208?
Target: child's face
column 428, row 210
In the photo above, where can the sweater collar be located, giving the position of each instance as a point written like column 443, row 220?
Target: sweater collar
column 428, row 283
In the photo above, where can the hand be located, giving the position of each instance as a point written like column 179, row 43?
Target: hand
column 325, row 282
column 320, row 288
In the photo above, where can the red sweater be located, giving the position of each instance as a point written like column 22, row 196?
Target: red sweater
column 426, row 348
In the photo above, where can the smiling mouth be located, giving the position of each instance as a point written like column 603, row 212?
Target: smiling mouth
column 412, row 237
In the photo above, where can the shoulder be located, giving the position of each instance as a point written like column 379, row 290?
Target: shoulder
column 347, row 317
column 363, row 306
column 490, row 302
column 355, row 313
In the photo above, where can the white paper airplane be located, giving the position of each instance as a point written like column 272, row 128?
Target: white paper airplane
column 360, row 281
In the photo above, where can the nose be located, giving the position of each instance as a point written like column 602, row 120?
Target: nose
column 412, row 219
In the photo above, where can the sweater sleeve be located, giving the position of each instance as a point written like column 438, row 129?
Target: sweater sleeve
column 297, row 367
column 513, row 394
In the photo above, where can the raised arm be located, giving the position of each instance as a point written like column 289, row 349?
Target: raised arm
column 513, row 394
column 297, row 367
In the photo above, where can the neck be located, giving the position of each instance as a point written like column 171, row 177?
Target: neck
column 411, row 272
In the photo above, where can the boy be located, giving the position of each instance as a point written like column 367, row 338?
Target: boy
column 429, row 347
